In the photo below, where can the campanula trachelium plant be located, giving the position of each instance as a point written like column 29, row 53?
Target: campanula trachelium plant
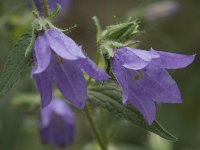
column 129, row 83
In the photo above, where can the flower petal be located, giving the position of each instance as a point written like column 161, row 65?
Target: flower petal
column 45, row 133
column 92, row 70
column 64, row 46
column 133, row 58
column 59, row 132
column 57, row 124
column 69, row 79
column 174, row 61
column 42, row 54
column 61, row 109
column 62, row 132
column 159, row 85
column 44, row 85
column 121, row 78
column 142, row 102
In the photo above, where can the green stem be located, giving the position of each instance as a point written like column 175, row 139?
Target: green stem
column 98, row 55
column 94, row 128
column 46, row 9
column 99, row 137
column 98, row 36
column 103, row 130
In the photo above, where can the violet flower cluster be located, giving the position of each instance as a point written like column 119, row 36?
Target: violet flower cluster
column 59, row 60
column 144, row 80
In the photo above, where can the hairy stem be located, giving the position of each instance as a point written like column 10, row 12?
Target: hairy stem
column 103, row 129
column 98, row 36
column 100, row 136
column 94, row 128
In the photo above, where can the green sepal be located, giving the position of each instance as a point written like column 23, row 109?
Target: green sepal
column 34, row 9
column 68, row 30
column 121, row 32
column 55, row 13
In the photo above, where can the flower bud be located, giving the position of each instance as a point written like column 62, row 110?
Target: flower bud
column 121, row 32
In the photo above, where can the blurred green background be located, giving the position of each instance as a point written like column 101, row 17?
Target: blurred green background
column 177, row 31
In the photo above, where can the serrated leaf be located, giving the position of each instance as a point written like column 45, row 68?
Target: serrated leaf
column 15, row 64
column 108, row 96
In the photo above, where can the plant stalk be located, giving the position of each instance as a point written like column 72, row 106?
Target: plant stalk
column 99, row 137
column 46, row 9
column 94, row 128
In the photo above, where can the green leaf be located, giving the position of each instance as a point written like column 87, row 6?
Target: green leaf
column 32, row 41
column 15, row 64
column 108, row 96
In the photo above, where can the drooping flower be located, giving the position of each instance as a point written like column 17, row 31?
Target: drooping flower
column 57, row 124
column 59, row 60
column 52, row 4
column 144, row 80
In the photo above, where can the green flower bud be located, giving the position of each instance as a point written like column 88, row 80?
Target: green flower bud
column 121, row 32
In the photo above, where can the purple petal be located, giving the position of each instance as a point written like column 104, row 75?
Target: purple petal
column 61, row 109
column 174, row 61
column 42, row 54
column 39, row 6
column 75, row 49
column 133, row 58
column 57, row 124
column 69, row 79
column 63, row 46
column 158, row 84
column 142, row 102
column 62, row 132
column 121, row 78
column 45, row 133
column 59, row 132
column 44, row 86
column 92, row 70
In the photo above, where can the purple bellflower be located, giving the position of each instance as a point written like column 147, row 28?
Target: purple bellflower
column 57, row 124
column 144, row 80
column 52, row 4
column 59, row 60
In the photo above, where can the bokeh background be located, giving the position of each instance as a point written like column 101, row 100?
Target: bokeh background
column 167, row 25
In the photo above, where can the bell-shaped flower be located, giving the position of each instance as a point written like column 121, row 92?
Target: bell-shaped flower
column 144, row 80
column 52, row 5
column 59, row 60
column 57, row 124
